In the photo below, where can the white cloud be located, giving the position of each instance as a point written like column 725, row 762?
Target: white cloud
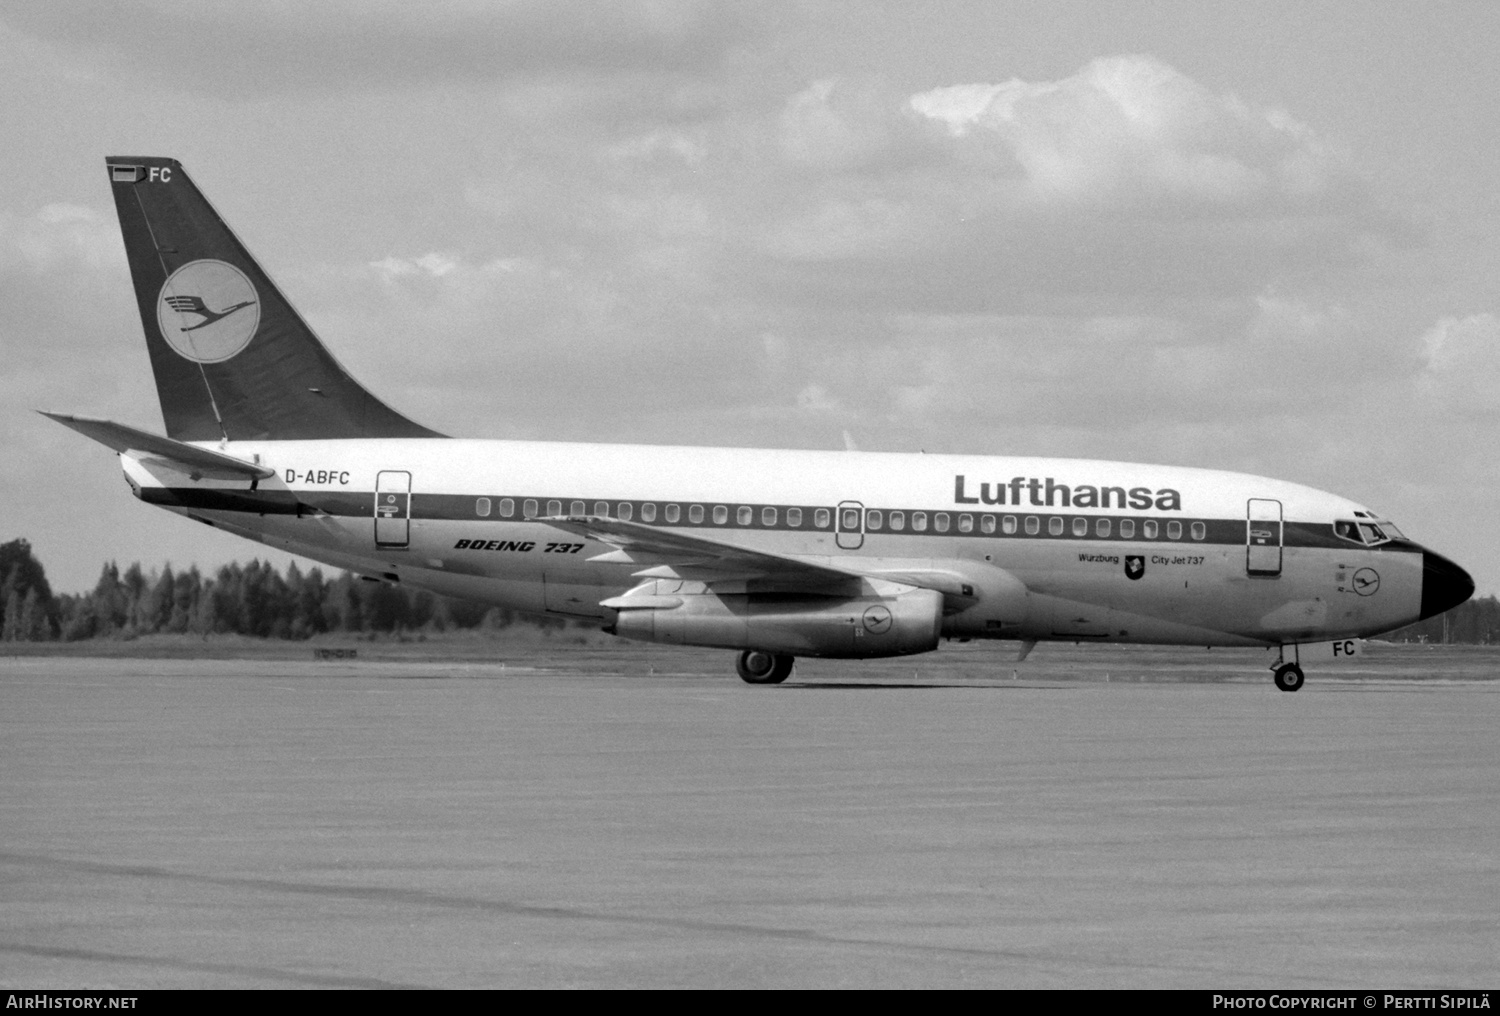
column 814, row 398
column 1461, row 366
column 1129, row 129
column 1461, row 345
column 1125, row 180
column 845, row 125
column 59, row 236
column 432, row 264
column 658, row 146
column 240, row 48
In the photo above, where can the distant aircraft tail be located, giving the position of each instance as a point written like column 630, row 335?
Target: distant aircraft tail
column 232, row 358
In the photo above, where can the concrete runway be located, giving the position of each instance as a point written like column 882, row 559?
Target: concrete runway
column 230, row 823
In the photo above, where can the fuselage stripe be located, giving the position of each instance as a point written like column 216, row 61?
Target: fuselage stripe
column 709, row 517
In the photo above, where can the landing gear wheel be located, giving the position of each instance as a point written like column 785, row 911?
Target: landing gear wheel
column 1288, row 677
column 756, row 667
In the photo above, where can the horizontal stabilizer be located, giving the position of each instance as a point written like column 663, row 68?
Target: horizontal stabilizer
column 195, row 461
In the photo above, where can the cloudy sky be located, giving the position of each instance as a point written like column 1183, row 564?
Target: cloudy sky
column 1262, row 237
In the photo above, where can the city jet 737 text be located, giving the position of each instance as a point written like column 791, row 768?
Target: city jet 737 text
column 775, row 554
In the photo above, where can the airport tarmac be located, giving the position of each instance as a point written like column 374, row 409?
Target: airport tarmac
column 563, row 820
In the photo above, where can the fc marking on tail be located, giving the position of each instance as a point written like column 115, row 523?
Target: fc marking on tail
column 188, row 321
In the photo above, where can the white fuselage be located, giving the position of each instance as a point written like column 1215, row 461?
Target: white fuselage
column 1020, row 548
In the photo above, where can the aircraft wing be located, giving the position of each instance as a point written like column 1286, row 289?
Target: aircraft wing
column 196, row 462
column 667, row 553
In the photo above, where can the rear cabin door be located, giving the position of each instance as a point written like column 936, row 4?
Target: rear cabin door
column 1263, row 538
column 392, row 508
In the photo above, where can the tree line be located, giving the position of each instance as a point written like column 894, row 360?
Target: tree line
column 242, row 599
column 256, row 599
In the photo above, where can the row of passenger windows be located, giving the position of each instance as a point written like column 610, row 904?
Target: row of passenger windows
column 744, row 515
column 875, row 520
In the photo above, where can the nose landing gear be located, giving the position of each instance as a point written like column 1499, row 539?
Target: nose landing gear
column 756, row 667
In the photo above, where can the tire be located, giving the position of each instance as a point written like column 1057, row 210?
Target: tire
column 756, row 667
column 1289, row 677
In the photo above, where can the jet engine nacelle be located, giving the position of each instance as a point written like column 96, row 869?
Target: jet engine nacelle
column 806, row 625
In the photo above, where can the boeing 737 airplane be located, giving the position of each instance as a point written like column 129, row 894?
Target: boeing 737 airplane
column 776, row 554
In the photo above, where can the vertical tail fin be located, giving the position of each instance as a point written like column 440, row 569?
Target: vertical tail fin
column 232, row 359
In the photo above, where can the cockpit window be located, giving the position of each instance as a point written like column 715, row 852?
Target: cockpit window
column 1366, row 533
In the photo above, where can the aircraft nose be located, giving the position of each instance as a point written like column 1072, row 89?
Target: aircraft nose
column 1444, row 584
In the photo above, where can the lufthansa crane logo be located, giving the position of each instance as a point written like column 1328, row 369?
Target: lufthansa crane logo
column 208, row 311
column 877, row 620
column 1366, row 581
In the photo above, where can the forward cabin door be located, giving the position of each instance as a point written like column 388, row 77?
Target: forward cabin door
column 1263, row 538
column 392, row 509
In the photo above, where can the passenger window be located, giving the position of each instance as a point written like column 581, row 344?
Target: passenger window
column 966, row 523
column 507, row 507
column 623, row 511
column 1055, row 526
column 851, row 520
column 940, row 522
column 601, row 508
column 648, row 512
column 529, row 508
column 695, row 513
column 554, row 507
column 898, row 521
column 873, row 518
column 482, row 507
column 768, row 516
column 1033, row 525
column 1102, row 527
column 721, row 515
column 1080, row 527
column 1200, row 531
column 674, row 512
column 577, row 508
column 821, row 518
column 1174, row 530
column 919, row 522
column 987, row 524
column 744, row 515
column 1127, row 528
column 794, row 517
column 1148, row 529
column 1008, row 525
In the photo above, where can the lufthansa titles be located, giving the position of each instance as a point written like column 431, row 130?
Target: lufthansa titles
column 1048, row 493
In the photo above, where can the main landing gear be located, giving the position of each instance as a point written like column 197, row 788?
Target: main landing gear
column 1288, row 677
column 756, row 667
